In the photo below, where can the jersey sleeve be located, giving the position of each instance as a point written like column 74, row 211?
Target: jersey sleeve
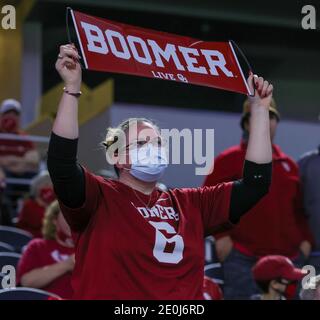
column 214, row 204
column 78, row 218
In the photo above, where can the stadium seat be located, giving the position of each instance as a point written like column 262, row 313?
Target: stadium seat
column 9, row 258
column 5, row 247
column 22, row 293
column 15, row 237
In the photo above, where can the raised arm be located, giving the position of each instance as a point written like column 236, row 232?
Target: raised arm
column 257, row 170
column 259, row 145
column 66, row 122
column 67, row 176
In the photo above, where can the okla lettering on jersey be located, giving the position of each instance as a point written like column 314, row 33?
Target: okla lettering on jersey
column 116, row 47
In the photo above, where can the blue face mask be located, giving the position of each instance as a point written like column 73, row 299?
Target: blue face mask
column 148, row 163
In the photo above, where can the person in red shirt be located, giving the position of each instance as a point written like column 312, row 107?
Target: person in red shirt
column 32, row 212
column 134, row 241
column 47, row 263
column 18, row 157
column 277, row 225
column 277, row 278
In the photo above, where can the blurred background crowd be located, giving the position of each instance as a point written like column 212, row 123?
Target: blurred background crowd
column 263, row 256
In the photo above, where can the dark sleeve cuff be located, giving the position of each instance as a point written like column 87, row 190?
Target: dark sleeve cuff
column 62, row 148
column 257, row 174
column 247, row 192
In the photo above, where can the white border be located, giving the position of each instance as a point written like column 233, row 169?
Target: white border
column 77, row 31
column 244, row 79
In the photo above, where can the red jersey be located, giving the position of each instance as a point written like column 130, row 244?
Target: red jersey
column 126, row 250
column 40, row 253
column 277, row 224
column 30, row 217
column 15, row 147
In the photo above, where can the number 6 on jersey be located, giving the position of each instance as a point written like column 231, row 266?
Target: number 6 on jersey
column 160, row 244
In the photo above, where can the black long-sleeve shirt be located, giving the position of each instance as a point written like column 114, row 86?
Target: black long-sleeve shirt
column 69, row 180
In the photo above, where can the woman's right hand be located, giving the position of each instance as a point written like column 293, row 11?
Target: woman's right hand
column 223, row 247
column 69, row 68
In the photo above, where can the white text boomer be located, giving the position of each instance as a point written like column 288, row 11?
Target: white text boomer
column 149, row 52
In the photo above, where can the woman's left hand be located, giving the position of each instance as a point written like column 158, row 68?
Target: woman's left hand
column 263, row 91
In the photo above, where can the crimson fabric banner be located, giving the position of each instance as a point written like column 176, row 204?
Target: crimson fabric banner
column 116, row 47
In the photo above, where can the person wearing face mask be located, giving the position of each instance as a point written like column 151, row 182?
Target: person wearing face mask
column 277, row 278
column 18, row 158
column 134, row 241
column 47, row 263
column 32, row 212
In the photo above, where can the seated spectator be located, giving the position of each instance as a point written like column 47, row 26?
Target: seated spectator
column 277, row 278
column 313, row 290
column 18, row 158
column 47, row 263
column 32, row 212
column 211, row 290
column 15, row 156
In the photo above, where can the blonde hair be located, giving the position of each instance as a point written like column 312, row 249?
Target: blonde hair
column 49, row 228
column 114, row 133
